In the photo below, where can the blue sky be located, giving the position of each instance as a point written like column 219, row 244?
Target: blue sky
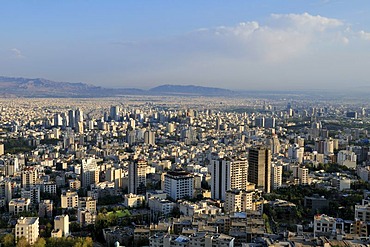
column 237, row 44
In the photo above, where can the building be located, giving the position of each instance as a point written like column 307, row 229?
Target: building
column 362, row 212
column 61, row 226
column 276, row 176
column 33, row 193
column 239, row 200
column 89, row 172
column 259, row 171
column 27, row 227
column 29, row 177
column 133, row 201
column 19, row 205
column 1, row 149
column 46, row 209
column 315, row 203
column 325, row 225
column 160, row 208
column 50, row 187
column 228, row 174
column 137, row 177
column 69, row 199
column 114, row 175
column 347, row 158
column 88, row 203
column 85, row 217
column 149, row 137
column 179, row 184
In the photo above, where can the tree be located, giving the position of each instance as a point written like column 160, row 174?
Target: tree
column 22, row 242
column 41, row 242
column 8, row 240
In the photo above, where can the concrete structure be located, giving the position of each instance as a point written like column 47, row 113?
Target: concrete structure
column 19, row 205
column 133, row 201
column 259, row 171
column 228, row 174
column 69, row 199
column 179, row 184
column 61, row 226
column 137, row 177
column 27, row 227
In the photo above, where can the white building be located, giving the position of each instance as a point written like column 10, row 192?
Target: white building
column 133, row 201
column 179, row 184
column 19, row 205
column 347, row 158
column 276, row 176
column 27, row 227
column 61, row 226
column 228, row 174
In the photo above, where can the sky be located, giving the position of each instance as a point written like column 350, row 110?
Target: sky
column 238, row 44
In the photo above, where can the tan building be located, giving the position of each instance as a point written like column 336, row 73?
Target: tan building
column 46, row 209
column 29, row 177
column 239, row 200
column 19, row 205
column 85, row 217
column 69, row 199
column 61, row 226
column 74, row 184
column 133, row 201
column 88, row 203
column 27, row 227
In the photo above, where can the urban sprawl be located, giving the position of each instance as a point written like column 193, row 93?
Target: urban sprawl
column 184, row 171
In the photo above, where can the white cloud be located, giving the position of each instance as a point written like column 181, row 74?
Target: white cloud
column 17, row 53
column 364, row 35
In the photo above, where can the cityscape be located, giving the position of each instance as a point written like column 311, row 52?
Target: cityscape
column 185, row 123
column 183, row 171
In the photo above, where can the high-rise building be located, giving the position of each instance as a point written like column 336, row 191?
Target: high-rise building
column 27, row 227
column 114, row 113
column 71, row 118
column 114, row 175
column 179, row 184
column 259, row 171
column 137, row 177
column 276, row 176
column 228, row 174
column 149, row 137
column 89, row 172
column 29, row 177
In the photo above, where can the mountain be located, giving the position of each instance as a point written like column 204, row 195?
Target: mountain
column 190, row 90
column 38, row 87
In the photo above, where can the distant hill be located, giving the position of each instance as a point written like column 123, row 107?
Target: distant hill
column 39, row 87
column 190, row 90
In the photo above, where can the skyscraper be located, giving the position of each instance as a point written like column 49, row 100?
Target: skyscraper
column 259, row 171
column 228, row 174
column 137, row 177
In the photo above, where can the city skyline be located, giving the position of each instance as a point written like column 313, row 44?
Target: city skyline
column 254, row 45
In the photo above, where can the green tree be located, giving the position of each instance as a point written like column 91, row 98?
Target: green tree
column 41, row 242
column 8, row 240
column 22, row 242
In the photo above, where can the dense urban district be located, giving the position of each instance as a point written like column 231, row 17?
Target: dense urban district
column 184, row 171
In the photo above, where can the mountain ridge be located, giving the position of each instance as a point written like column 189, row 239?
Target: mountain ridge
column 40, row 87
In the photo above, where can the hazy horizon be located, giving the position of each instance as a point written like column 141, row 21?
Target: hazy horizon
column 238, row 45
